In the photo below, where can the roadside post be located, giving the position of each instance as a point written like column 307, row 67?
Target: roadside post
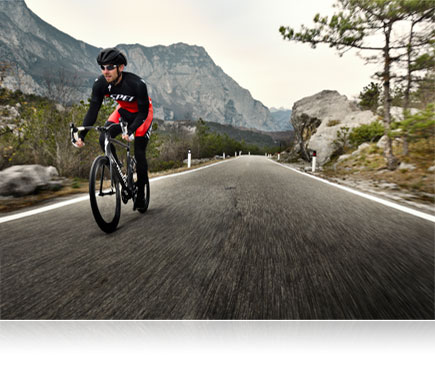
column 279, row 156
column 223, row 156
column 314, row 157
column 189, row 159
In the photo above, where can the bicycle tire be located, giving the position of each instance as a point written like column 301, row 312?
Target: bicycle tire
column 104, row 195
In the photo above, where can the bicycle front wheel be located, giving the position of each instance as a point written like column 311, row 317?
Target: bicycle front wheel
column 104, row 195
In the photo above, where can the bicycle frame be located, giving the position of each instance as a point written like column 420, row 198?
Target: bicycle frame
column 123, row 179
column 126, row 180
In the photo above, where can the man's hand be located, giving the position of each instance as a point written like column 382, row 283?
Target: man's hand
column 79, row 143
column 127, row 137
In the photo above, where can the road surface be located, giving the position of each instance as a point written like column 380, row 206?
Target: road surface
column 244, row 239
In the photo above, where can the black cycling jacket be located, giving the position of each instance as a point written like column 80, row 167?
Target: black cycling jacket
column 131, row 94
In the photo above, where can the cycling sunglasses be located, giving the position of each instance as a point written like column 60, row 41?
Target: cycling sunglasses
column 108, row 67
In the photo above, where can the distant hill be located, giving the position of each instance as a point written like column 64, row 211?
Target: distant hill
column 249, row 136
column 184, row 81
column 282, row 118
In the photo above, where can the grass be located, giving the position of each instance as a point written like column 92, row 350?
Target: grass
column 370, row 164
column 333, row 123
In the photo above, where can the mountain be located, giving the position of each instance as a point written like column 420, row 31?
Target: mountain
column 38, row 55
column 183, row 80
column 282, row 118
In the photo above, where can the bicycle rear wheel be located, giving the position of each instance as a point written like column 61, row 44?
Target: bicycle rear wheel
column 104, row 195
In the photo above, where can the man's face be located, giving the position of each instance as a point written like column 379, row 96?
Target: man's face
column 110, row 72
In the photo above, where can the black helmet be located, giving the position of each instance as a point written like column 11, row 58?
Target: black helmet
column 111, row 56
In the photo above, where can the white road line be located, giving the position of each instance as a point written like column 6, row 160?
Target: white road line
column 399, row 207
column 86, row 197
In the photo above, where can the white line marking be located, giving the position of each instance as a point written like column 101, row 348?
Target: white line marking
column 43, row 209
column 399, row 207
column 190, row 171
column 86, row 197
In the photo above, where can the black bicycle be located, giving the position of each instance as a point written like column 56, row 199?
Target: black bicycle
column 105, row 178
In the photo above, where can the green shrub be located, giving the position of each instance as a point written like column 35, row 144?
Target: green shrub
column 366, row 133
column 162, row 165
column 76, row 183
column 342, row 143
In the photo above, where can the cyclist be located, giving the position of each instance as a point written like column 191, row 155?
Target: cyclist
column 134, row 105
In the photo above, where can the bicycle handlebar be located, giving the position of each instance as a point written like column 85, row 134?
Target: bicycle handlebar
column 75, row 130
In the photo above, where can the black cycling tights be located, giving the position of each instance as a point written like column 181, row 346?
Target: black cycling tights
column 140, row 148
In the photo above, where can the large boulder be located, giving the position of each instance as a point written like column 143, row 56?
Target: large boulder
column 317, row 120
column 21, row 180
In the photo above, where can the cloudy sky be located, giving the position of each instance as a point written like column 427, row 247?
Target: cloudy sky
column 241, row 36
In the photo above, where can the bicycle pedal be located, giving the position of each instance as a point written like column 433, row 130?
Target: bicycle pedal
column 124, row 196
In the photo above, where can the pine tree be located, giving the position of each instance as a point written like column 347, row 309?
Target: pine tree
column 353, row 27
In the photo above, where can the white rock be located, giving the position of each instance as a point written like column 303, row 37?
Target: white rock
column 20, row 180
column 382, row 143
column 311, row 115
column 396, row 112
column 361, row 147
column 407, row 166
column 343, row 157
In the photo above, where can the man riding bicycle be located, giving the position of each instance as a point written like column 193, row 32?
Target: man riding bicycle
column 134, row 105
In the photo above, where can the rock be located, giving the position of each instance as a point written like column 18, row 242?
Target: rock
column 361, row 148
column 318, row 118
column 52, row 172
column 407, row 166
column 21, row 180
column 9, row 115
column 343, row 157
column 382, row 143
column 55, row 185
column 396, row 112
column 389, row 186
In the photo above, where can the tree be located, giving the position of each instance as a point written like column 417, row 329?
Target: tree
column 354, row 27
column 419, row 125
column 369, row 97
column 424, row 93
column 419, row 55
column 342, row 142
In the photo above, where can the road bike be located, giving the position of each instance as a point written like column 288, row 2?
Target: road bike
column 108, row 184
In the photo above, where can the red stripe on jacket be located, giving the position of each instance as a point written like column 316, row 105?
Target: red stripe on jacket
column 132, row 107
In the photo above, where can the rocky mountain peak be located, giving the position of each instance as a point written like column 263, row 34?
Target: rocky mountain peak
column 183, row 80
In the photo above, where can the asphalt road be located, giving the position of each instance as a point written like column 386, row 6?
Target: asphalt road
column 244, row 239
